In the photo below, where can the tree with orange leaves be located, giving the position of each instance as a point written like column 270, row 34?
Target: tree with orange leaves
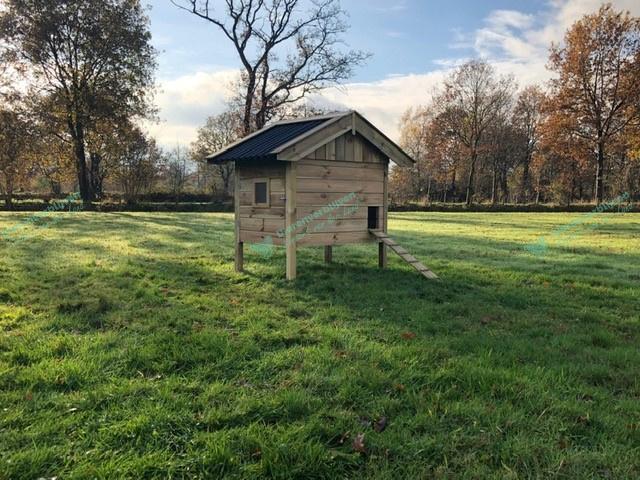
column 595, row 97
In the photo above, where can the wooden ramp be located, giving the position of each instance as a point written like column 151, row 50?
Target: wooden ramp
column 403, row 254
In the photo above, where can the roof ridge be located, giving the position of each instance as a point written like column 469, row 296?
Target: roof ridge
column 324, row 116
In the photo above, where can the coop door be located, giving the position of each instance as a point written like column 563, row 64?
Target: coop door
column 373, row 218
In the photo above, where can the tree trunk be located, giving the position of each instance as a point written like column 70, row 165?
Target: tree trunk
column 599, row 187
column 95, row 176
column 472, row 171
column 261, row 118
column 8, row 195
column 83, row 177
column 248, row 103
column 56, row 187
column 453, row 184
column 493, row 186
column 77, row 133
column 524, row 189
column 504, row 187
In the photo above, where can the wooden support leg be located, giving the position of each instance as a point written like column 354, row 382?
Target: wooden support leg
column 239, row 257
column 382, row 255
column 290, row 217
column 328, row 254
column 291, row 260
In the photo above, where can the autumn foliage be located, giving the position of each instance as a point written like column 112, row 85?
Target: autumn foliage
column 575, row 139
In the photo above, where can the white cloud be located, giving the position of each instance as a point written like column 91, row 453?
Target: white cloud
column 505, row 19
column 391, row 7
column 509, row 34
column 186, row 102
column 384, row 102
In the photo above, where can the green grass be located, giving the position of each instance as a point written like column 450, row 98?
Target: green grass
column 129, row 348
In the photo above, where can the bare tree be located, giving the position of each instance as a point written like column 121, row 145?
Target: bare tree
column 176, row 171
column 138, row 162
column 503, row 147
column 473, row 98
column 218, row 132
column 526, row 119
column 285, row 51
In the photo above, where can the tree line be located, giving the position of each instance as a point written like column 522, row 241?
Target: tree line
column 77, row 81
column 575, row 139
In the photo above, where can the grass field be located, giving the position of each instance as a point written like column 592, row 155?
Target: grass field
column 130, row 348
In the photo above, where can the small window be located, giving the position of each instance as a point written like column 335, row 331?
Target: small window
column 261, row 192
column 373, row 218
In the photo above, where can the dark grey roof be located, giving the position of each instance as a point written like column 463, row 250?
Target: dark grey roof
column 270, row 142
column 262, row 144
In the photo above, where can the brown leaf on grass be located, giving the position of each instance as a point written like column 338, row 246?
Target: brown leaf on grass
column 408, row 335
column 358, row 443
column 380, row 425
column 584, row 419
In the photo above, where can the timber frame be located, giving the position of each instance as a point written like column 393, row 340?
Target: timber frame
column 325, row 176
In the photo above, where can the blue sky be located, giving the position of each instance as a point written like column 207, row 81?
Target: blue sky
column 414, row 44
column 404, row 36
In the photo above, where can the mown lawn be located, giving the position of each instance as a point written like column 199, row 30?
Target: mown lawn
column 130, row 348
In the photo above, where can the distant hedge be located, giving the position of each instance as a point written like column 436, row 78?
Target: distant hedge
column 161, row 197
column 197, row 202
column 38, row 205
column 461, row 207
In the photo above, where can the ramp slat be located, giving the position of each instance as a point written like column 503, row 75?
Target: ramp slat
column 404, row 254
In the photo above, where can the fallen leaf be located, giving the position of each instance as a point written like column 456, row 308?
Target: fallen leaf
column 358, row 443
column 584, row 419
column 380, row 425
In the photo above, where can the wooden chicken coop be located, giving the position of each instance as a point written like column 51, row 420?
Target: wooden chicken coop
column 318, row 181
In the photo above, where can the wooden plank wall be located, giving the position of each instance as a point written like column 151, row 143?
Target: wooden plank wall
column 259, row 223
column 345, row 165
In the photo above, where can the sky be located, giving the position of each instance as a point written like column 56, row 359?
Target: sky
column 414, row 45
